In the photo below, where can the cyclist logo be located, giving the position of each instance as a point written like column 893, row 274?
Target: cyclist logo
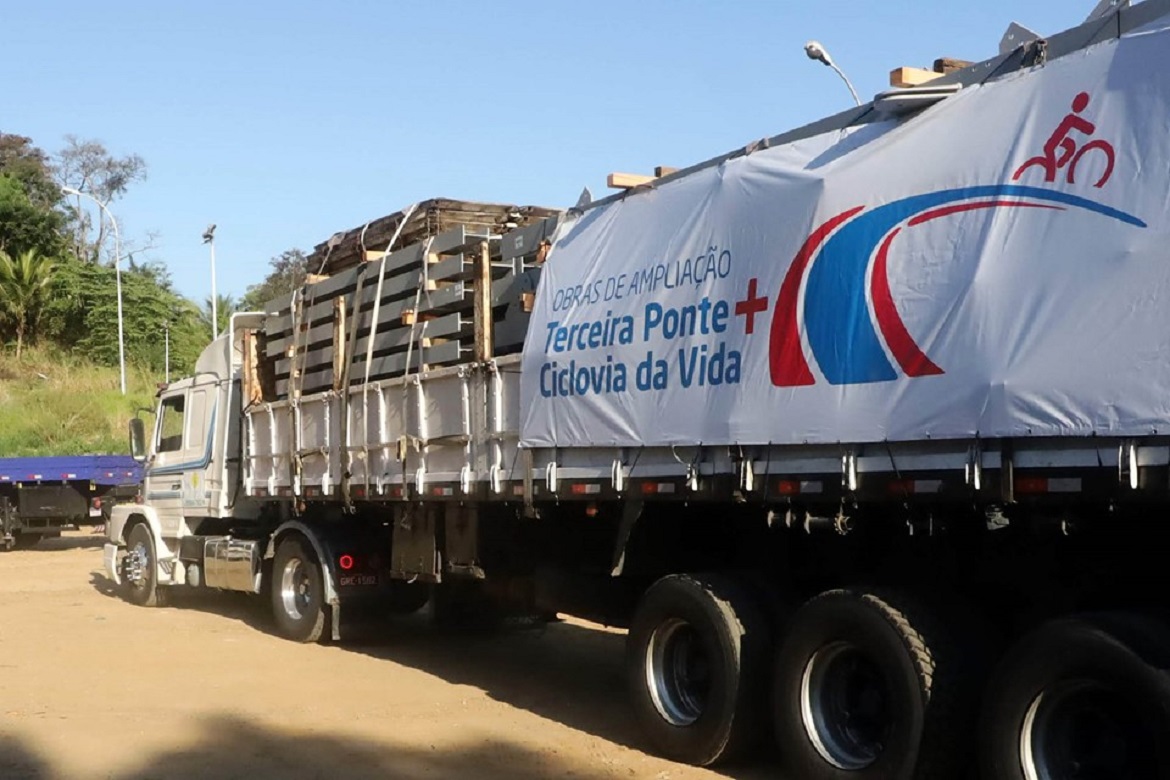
column 1061, row 149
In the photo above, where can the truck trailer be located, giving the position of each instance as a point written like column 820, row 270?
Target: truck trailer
column 40, row 496
column 862, row 430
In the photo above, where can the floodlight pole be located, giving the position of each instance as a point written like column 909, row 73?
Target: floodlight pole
column 209, row 238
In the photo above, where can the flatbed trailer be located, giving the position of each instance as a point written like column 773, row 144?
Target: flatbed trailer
column 40, row 496
column 866, row 441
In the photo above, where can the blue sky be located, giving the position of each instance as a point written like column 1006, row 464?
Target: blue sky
column 286, row 122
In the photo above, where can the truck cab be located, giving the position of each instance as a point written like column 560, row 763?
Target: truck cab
column 191, row 468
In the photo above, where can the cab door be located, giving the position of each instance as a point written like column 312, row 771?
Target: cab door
column 174, row 479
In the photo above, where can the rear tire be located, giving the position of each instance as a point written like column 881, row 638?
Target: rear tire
column 1081, row 697
column 139, row 575
column 865, row 690
column 697, row 658
column 298, row 593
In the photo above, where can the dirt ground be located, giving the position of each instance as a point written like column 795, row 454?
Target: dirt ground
column 92, row 687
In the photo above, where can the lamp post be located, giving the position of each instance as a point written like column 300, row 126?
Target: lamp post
column 167, row 350
column 117, row 276
column 209, row 238
column 816, row 51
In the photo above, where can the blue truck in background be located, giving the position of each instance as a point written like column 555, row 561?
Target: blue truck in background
column 40, row 496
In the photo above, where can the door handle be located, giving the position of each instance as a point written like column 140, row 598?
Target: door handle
column 177, row 486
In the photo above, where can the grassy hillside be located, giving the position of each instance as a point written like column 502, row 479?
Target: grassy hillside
column 52, row 404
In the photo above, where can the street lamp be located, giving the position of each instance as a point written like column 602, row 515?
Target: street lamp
column 816, row 51
column 117, row 276
column 167, row 350
column 209, row 238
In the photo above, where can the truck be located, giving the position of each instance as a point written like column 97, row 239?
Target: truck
column 40, row 496
column 862, row 431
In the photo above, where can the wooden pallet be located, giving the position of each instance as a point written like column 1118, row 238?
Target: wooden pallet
column 430, row 218
column 404, row 311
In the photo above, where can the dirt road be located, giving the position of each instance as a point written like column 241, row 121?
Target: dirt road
column 92, row 687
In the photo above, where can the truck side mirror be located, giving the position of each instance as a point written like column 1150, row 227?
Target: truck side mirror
column 137, row 439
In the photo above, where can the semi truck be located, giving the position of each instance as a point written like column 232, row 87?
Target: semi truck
column 862, row 430
column 40, row 496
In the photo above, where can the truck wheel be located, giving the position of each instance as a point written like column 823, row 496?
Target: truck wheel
column 697, row 657
column 1080, row 697
column 863, row 690
column 298, row 595
column 139, row 567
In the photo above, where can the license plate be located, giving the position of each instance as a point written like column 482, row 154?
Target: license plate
column 357, row 580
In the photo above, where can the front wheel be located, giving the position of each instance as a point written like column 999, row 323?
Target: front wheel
column 1082, row 697
column 298, row 599
column 697, row 659
column 139, row 569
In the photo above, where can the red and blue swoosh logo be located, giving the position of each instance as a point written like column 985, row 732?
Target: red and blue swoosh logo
column 840, row 290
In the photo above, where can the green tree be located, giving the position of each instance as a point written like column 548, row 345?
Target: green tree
column 24, row 283
column 289, row 269
column 24, row 225
column 83, row 316
column 30, row 166
column 225, row 307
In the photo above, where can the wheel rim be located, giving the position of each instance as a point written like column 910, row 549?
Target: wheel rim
column 678, row 672
column 846, row 706
column 295, row 589
column 1083, row 729
column 136, row 565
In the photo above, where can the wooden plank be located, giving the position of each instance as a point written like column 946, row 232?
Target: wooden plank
column 664, row 170
column 339, row 334
column 253, row 390
column 625, row 181
column 946, row 65
column 911, row 77
column 483, row 304
column 430, row 218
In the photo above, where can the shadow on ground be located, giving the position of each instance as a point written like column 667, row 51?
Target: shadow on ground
column 227, row 747
column 567, row 673
column 71, row 542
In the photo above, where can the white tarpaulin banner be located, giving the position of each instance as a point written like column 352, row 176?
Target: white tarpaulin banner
column 998, row 265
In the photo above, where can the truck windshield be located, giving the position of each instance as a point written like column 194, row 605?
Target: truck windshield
column 170, row 429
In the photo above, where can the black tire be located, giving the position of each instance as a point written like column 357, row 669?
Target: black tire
column 864, row 688
column 139, row 570
column 1090, row 693
column 297, row 592
column 697, row 657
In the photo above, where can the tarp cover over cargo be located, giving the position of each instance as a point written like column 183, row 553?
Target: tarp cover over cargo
column 998, row 265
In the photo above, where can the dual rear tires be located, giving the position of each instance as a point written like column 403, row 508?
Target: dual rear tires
column 869, row 684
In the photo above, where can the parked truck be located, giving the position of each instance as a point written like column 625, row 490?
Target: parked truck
column 862, row 430
column 40, row 496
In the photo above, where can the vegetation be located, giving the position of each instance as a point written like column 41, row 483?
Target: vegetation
column 57, row 404
column 59, row 276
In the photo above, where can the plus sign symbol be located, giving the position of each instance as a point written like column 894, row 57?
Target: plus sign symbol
column 750, row 306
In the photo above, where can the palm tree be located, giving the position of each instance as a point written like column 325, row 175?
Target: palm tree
column 24, row 281
column 225, row 307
